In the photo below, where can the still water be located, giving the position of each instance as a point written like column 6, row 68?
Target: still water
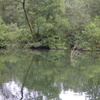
column 49, row 75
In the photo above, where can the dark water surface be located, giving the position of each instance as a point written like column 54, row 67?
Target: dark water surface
column 49, row 75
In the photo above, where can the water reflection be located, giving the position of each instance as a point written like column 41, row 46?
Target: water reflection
column 25, row 79
column 70, row 95
column 49, row 75
column 11, row 91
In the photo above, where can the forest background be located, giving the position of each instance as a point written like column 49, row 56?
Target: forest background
column 56, row 24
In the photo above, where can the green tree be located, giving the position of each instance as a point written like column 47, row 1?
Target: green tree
column 94, row 7
column 9, row 11
column 91, row 35
column 48, row 21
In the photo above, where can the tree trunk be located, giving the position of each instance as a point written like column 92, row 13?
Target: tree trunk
column 27, row 18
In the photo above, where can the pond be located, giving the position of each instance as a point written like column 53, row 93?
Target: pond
column 49, row 75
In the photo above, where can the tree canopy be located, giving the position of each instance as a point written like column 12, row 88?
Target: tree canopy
column 54, row 23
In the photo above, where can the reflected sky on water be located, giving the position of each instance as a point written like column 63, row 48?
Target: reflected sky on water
column 12, row 91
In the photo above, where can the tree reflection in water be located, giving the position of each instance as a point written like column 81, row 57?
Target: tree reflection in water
column 42, row 75
column 11, row 91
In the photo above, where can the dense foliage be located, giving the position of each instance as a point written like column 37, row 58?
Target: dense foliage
column 56, row 24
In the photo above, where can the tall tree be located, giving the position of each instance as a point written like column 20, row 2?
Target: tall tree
column 27, row 17
column 48, row 20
